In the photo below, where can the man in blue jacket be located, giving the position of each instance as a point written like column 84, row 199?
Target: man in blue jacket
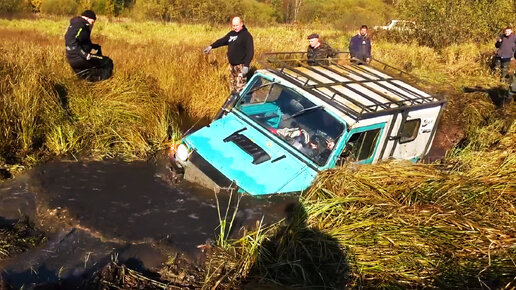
column 84, row 57
column 506, row 45
column 360, row 46
column 240, row 52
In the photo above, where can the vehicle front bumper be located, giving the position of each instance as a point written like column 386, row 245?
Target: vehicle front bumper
column 197, row 170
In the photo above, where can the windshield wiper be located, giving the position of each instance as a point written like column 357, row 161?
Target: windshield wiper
column 261, row 86
column 305, row 110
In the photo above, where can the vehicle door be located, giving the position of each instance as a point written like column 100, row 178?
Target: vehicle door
column 415, row 134
column 362, row 144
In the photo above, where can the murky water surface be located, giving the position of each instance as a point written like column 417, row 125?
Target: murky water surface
column 98, row 211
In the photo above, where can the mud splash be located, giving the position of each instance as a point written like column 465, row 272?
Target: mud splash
column 97, row 212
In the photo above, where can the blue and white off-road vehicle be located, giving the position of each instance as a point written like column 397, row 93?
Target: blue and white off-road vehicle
column 294, row 120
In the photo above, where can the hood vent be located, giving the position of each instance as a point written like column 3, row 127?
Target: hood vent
column 249, row 147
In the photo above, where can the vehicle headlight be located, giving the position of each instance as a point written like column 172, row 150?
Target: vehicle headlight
column 182, row 152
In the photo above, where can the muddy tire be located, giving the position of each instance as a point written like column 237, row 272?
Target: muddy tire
column 174, row 175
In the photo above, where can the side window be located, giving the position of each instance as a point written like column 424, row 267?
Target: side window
column 256, row 93
column 360, row 146
column 409, row 130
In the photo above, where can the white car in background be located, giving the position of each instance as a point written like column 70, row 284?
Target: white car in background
column 399, row 25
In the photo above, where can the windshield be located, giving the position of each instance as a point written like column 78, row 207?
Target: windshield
column 303, row 125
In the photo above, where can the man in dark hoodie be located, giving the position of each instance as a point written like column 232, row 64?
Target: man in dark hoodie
column 360, row 45
column 506, row 45
column 240, row 52
column 84, row 57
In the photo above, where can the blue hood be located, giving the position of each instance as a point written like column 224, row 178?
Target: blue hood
column 282, row 172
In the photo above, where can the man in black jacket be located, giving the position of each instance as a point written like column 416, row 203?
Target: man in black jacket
column 84, row 57
column 240, row 52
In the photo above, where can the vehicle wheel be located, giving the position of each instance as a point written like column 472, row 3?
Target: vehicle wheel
column 173, row 175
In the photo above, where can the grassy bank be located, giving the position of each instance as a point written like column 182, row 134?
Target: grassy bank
column 392, row 225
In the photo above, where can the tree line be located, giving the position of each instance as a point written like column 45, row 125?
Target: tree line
column 261, row 12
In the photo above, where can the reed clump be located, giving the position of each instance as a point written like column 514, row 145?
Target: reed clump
column 425, row 225
column 46, row 111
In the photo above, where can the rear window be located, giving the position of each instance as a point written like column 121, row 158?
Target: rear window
column 409, row 130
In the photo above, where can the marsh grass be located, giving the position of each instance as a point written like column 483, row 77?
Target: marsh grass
column 397, row 224
column 47, row 111
column 18, row 237
column 225, row 220
column 158, row 68
column 427, row 225
column 389, row 225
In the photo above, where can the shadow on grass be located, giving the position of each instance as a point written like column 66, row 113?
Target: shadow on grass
column 463, row 274
column 189, row 123
column 299, row 256
column 500, row 96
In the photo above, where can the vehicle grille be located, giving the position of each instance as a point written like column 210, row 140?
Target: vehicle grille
column 213, row 173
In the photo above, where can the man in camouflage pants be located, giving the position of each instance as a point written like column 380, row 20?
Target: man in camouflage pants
column 240, row 52
column 506, row 49
column 238, row 77
column 318, row 51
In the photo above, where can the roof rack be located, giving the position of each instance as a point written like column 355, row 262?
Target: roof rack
column 355, row 88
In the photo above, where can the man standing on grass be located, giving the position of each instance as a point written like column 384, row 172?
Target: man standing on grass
column 318, row 51
column 360, row 45
column 84, row 57
column 240, row 52
column 506, row 45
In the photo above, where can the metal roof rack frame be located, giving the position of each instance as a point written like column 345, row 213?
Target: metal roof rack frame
column 355, row 88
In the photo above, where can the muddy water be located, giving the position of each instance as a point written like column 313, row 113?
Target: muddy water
column 94, row 212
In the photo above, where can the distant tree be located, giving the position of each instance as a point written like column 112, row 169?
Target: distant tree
column 86, row 4
column 214, row 11
column 345, row 14
column 110, row 8
column 35, row 5
column 255, row 12
column 10, row 6
column 296, row 6
column 291, row 9
column 277, row 7
column 445, row 22
column 99, row 6
column 116, row 7
column 59, row 7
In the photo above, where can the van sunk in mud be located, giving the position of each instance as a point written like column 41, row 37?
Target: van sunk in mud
column 294, row 120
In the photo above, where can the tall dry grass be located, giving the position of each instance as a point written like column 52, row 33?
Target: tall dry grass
column 46, row 111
